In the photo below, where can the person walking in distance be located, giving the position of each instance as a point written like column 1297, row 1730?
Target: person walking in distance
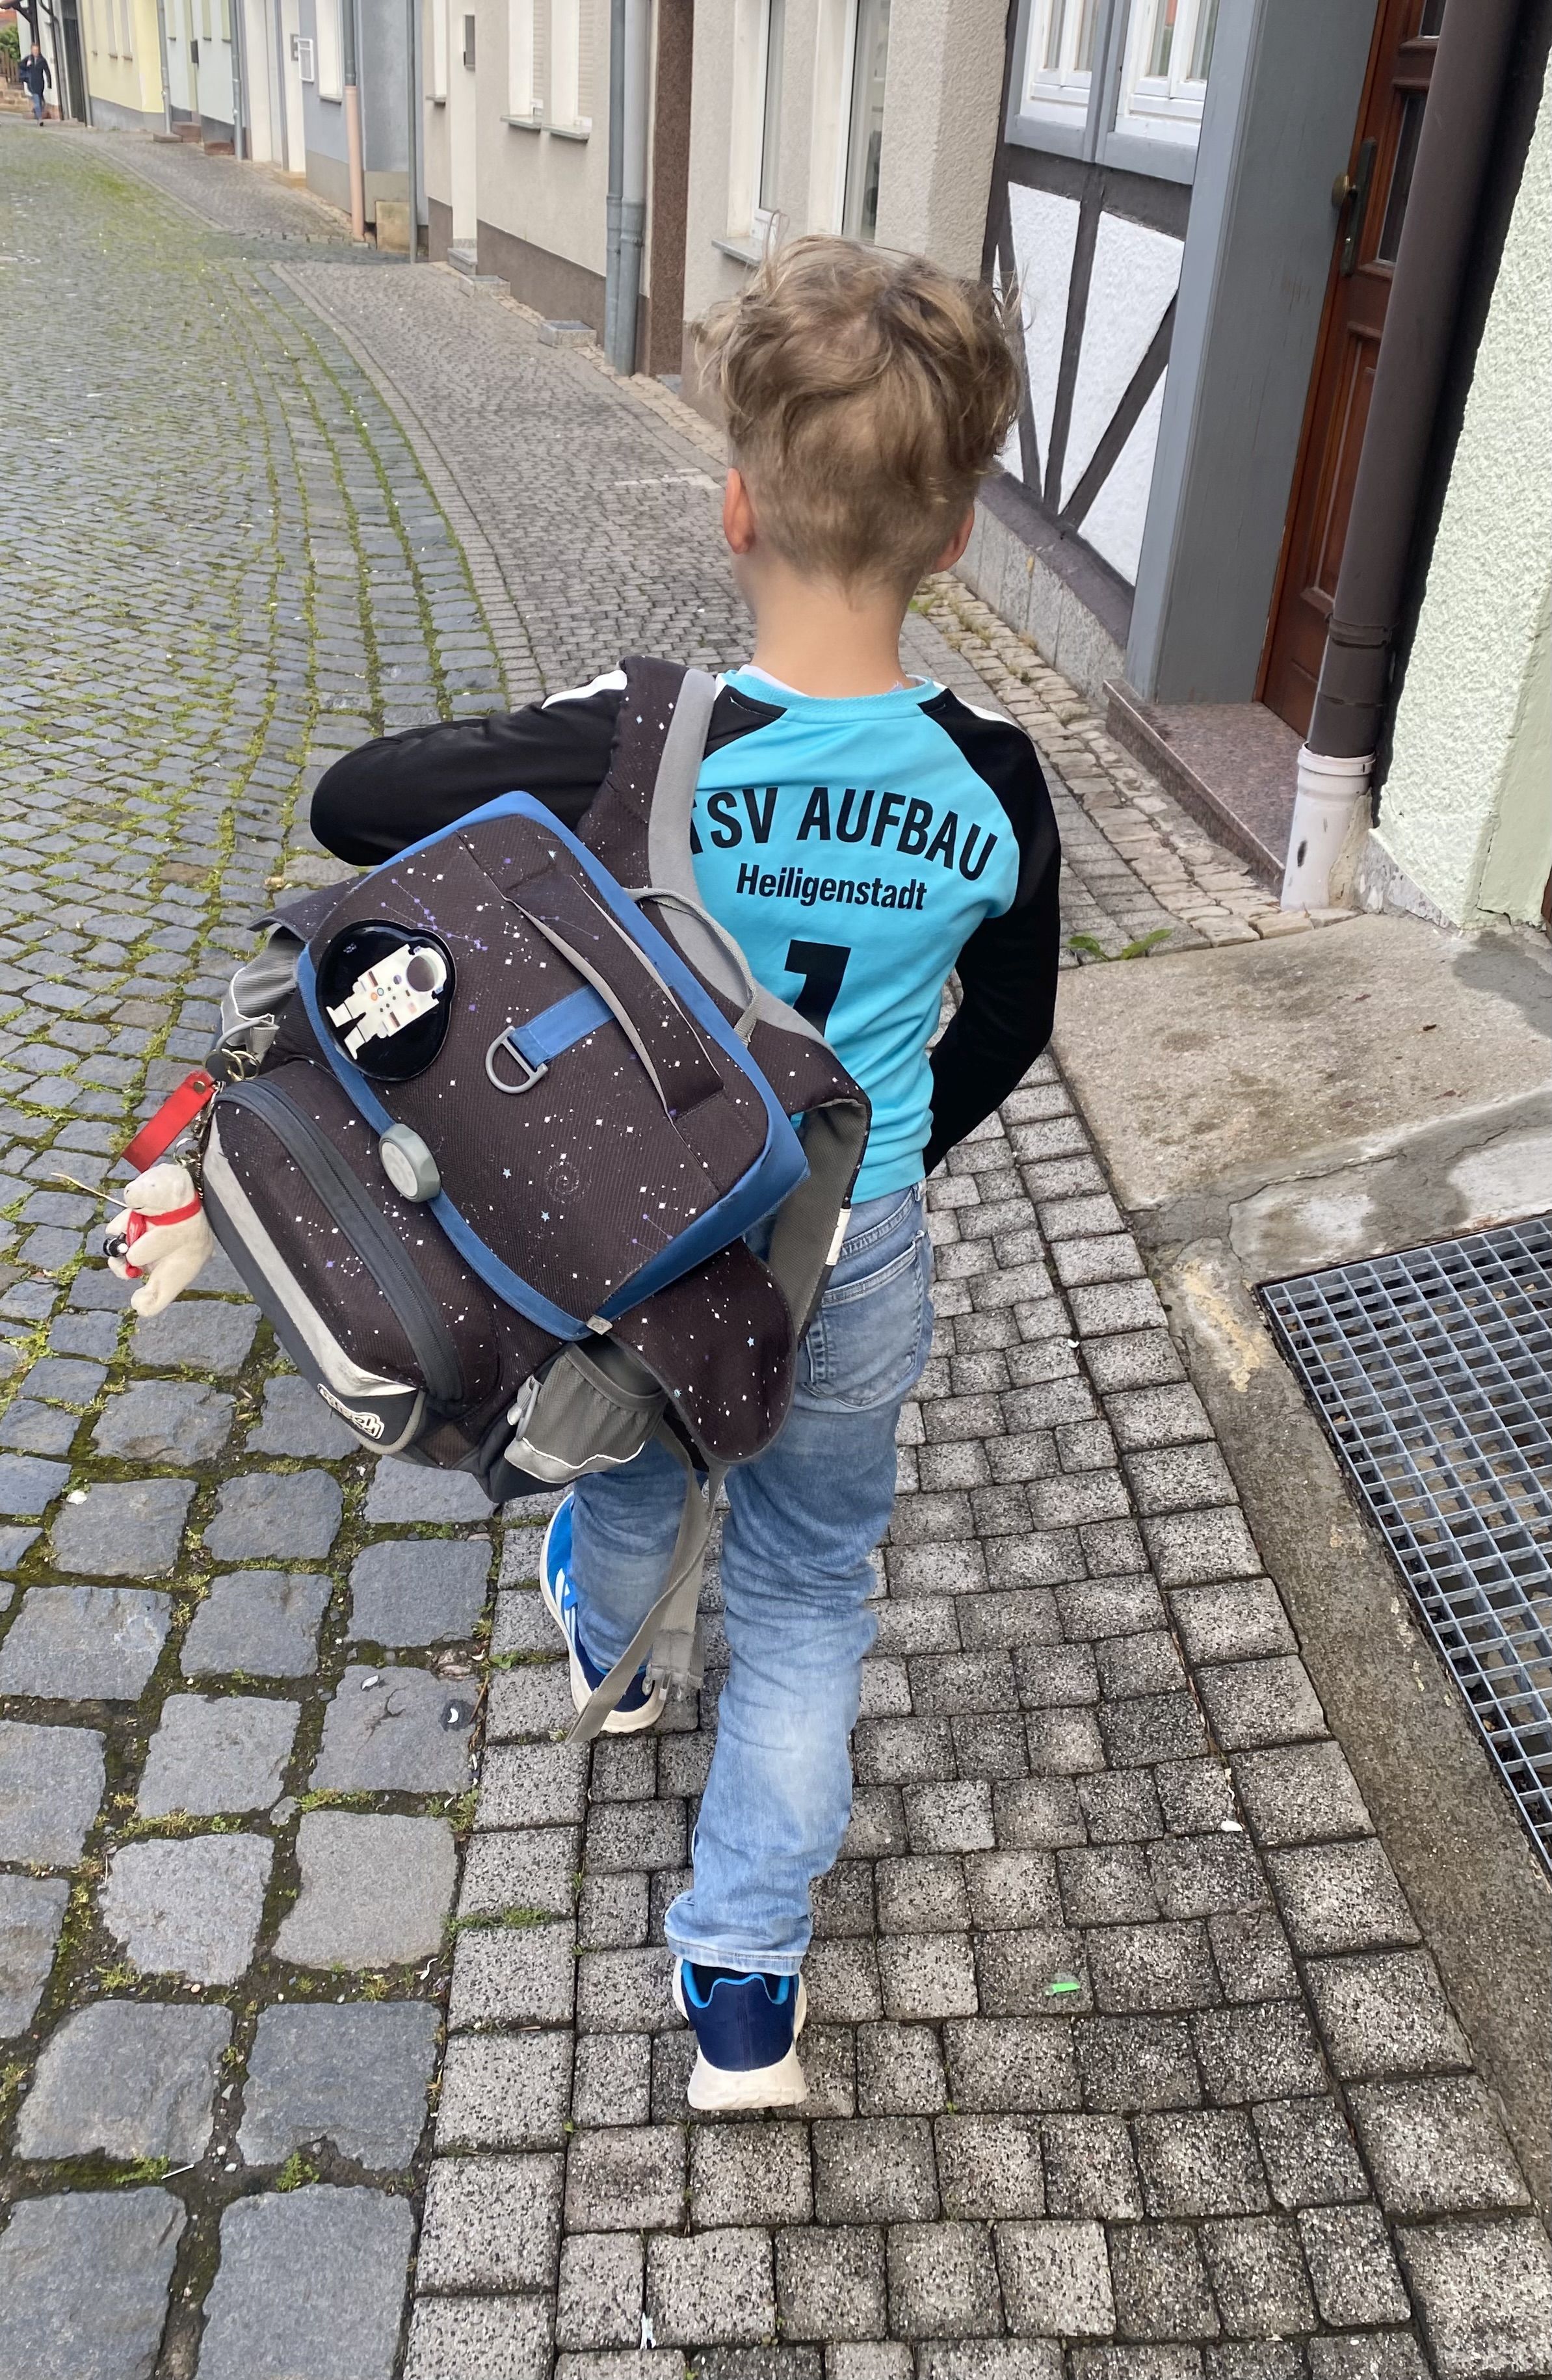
column 35, row 80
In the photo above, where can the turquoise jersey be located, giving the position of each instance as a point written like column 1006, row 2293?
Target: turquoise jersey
column 860, row 850
column 853, row 850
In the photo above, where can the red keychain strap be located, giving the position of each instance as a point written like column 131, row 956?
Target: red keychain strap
column 175, row 1114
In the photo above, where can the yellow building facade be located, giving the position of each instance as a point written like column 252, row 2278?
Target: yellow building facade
column 123, row 66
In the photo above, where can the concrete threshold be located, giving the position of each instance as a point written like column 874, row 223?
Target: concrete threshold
column 1265, row 1110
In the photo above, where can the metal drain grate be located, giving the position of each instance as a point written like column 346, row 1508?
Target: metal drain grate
column 1432, row 1372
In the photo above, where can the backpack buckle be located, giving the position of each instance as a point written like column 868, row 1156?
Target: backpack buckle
column 531, row 1074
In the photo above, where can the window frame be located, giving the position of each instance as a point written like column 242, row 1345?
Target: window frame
column 850, row 96
column 1167, row 119
column 329, row 60
column 1055, row 109
column 1097, row 133
column 566, row 49
column 1074, row 136
column 763, row 218
column 521, row 45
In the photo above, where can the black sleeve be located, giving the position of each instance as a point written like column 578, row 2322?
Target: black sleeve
column 388, row 793
column 1008, row 968
column 1007, row 973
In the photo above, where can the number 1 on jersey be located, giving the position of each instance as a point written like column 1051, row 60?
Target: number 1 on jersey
column 821, row 966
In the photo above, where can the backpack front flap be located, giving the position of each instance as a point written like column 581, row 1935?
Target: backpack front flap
column 591, row 1124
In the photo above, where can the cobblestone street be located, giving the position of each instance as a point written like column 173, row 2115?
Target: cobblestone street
column 334, row 2034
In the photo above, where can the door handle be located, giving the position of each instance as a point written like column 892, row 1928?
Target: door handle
column 1352, row 191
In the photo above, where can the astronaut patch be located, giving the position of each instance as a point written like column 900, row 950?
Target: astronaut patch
column 387, row 995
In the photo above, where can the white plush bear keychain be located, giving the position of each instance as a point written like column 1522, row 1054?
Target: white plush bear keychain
column 162, row 1239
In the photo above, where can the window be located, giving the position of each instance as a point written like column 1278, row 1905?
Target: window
column 522, row 98
column 864, row 135
column 331, row 63
column 126, row 38
column 1121, row 82
column 768, row 162
column 1164, row 77
column 439, row 50
column 1059, row 59
column 565, row 67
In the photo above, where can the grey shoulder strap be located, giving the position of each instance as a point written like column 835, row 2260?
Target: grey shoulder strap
column 671, row 868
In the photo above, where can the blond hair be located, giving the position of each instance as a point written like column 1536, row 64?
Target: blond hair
column 865, row 394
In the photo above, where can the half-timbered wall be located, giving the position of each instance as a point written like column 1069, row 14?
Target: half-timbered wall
column 1089, row 204
column 1095, row 257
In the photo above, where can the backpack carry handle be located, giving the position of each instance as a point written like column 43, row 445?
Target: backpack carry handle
column 677, row 1062
column 743, row 987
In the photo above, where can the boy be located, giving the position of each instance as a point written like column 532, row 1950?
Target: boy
column 862, row 834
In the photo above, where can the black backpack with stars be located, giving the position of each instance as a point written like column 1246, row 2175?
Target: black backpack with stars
column 493, row 1121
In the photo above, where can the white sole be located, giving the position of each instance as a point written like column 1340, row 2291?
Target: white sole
column 619, row 1722
column 713, row 2090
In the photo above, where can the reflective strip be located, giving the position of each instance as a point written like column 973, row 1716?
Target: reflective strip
column 348, row 1379
column 561, row 1027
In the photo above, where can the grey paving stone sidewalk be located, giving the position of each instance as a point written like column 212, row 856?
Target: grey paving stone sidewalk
column 1123, row 2048
column 1125, row 2059
column 225, row 1939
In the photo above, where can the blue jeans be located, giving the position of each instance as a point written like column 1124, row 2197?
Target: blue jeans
column 802, row 1521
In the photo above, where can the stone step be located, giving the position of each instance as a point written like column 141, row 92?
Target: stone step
column 465, row 261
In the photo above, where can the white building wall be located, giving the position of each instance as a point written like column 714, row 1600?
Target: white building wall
column 1465, row 812
column 1135, row 275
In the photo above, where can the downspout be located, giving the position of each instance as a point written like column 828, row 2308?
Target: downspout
column 412, row 78
column 629, row 78
column 241, row 145
column 161, row 62
column 353, row 122
column 1337, row 760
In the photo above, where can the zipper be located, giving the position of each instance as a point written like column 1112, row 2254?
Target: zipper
column 326, row 1172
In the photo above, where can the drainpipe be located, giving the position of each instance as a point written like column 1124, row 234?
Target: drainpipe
column 412, row 78
column 1336, row 762
column 161, row 61
column 629, row 21
column 353, row 122
column 241, row 145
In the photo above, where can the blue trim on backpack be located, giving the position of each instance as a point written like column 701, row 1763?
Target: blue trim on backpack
column 777, row 1171
column 561, row 1027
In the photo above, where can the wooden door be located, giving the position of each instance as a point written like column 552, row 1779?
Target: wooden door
column 1377, row 181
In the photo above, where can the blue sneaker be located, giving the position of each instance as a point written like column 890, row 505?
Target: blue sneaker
column 746, row 2027
column 640, row 1706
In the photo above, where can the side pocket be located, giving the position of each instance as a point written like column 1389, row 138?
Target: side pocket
column 591, row 1409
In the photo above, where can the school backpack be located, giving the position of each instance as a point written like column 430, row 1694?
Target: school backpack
column 485, row 1131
